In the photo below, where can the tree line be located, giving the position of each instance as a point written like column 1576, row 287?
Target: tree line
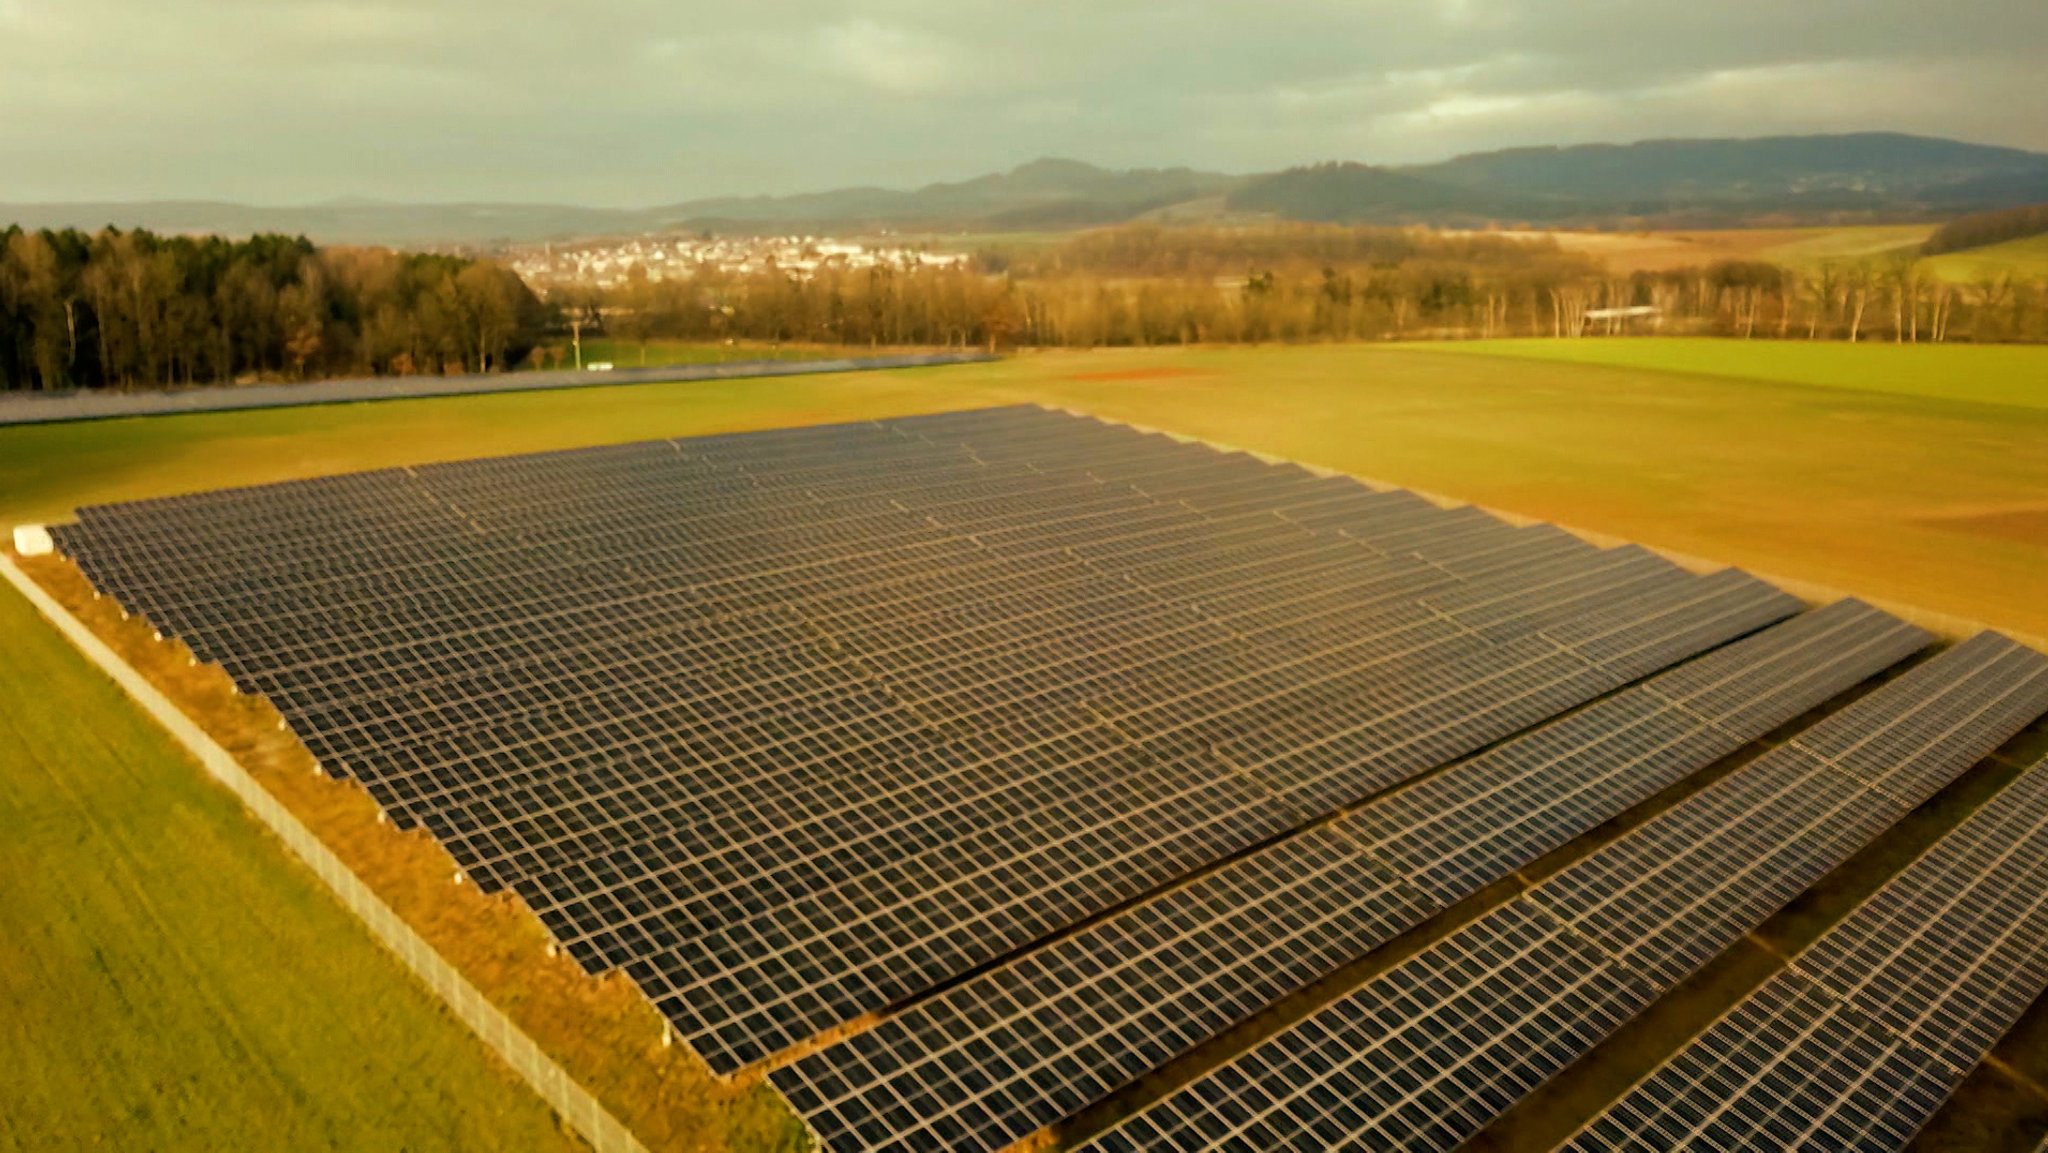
column 132, row 309
column 129, row 309
column 1981, row 229
column 1147, row 285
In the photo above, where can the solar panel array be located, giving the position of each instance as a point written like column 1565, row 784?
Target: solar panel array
column 793, row 726
column 1426, row 1054
column 966, row 768
column 991, row 1061
column 1858, row 1044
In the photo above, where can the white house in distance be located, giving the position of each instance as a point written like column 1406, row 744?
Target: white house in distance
column 1619, row 319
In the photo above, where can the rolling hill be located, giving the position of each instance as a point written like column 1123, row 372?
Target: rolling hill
column 1674, row 183
column 1876, row 171
column 1780, row 181
column 1045, row 193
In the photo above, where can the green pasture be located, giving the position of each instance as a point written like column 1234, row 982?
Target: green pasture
column 1845, row 245
column 2023, row 259
column 1975, row 374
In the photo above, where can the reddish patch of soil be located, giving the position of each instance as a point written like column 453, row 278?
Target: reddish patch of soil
column 2028, row 526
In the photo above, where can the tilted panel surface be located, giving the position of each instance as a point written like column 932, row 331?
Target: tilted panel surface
column 987, row 1063
column 1662, row 897
column 1453, row 1036
column 1876, row 1024
column 1462, row 828
column 1950, row 954
column 791, row 726
column 1790, row 1068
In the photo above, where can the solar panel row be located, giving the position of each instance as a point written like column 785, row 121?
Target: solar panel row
column 1426, row 1054
column 989, row 1062
column 794, row 726
column 1515, row 803
column 873, row 940
column 1859, row 1043
column 1670, row 896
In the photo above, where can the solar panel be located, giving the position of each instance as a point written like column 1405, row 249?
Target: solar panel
column 1459, row 829
column 1662, row 897
column 1038, row 1039
column 990, row 1062
column 1872, row 1028
column 2006, row 682
column 1444, row 1042
column 1949, row 954
column 1369, row 1071
column 944, row 918
column 1789, row 1069
column 793, row 726
column 800, row 726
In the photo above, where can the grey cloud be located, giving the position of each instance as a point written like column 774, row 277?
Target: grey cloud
column 640, row 101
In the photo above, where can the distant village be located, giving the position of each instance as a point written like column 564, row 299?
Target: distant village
column 610, row 263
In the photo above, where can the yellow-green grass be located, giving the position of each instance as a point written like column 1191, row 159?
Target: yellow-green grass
column 663, row 353
column 1810, row 248
column 169, row 981
column 1797, row 461
column 2023, row 259
column 1806, row 250
column 1974, row 374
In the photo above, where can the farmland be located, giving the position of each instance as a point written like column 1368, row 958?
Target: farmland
column 1801, row 250
column 1978, row 374
column 2021, row 258
column 1913, row 474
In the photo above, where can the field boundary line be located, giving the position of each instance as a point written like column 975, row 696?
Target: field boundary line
column 1946, row 625
column 570, row 1101
column 24, row 409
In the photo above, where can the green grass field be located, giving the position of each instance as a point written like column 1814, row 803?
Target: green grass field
column 1973, row 374
column 168, row 980
column 1856, row 242
column 2026, row 258
column 1913, row 474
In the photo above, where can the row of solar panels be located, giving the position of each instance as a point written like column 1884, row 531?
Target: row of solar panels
column 1163, row 618
column 1431, row 1051
column 1428, row 1053
column 1876, row 1022
column 1019, row 731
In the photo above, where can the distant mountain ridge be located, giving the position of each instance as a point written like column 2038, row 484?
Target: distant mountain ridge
column 1680, row 183
column 1043, row 193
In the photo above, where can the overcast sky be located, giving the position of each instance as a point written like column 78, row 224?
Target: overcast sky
column 637, row 102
